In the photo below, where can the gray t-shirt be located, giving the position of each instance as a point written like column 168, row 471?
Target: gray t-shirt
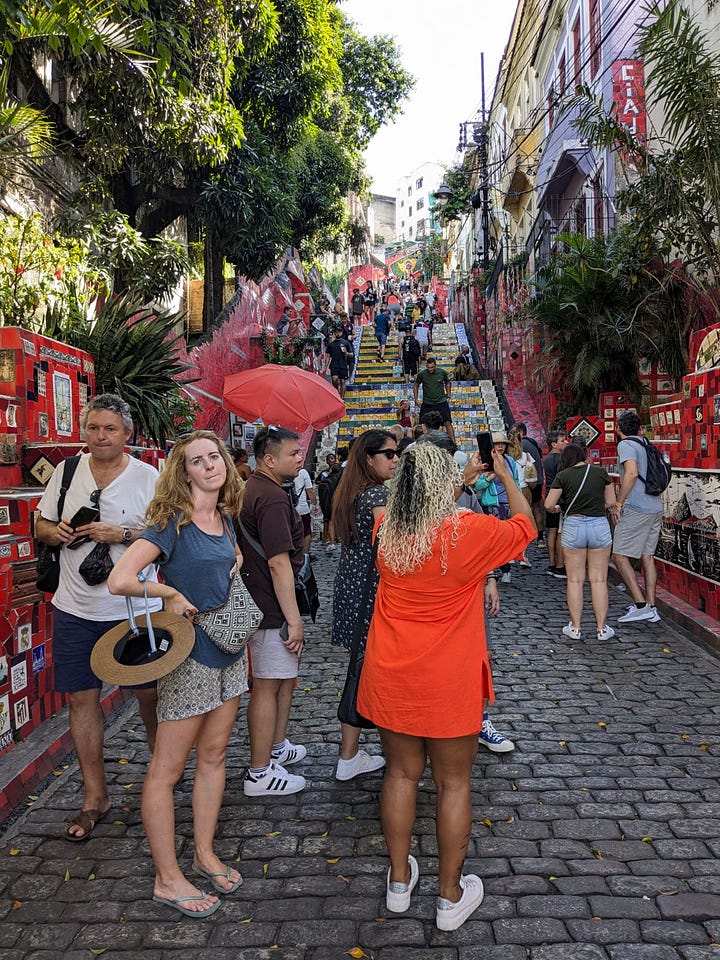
column 198, row 564
column 637, row 499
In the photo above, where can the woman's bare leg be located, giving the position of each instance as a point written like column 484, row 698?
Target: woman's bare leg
column 451, row 761
column 405, row 764
column 597, row 575
column 575, row 569
column 174, row 741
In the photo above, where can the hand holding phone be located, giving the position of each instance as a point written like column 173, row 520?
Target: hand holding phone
column 84, row 516
column 485, row 446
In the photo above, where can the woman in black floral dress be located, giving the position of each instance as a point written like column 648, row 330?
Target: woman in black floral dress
column 359, row 500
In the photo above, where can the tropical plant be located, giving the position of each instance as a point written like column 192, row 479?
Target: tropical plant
column 40, row 271
column 596, row 316
column 136, row 355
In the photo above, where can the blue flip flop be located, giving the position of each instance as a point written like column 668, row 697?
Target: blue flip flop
column 198, row 914
column 211, row 877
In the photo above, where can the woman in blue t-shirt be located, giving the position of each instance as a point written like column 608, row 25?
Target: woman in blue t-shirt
column 190, row 534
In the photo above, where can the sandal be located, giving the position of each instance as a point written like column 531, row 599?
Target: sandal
column 87, row 820
column 177, row 904
column 218, row 886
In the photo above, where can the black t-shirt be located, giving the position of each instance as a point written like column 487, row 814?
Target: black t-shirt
column 357, row 303
column 551, row 465
column 269, row 517
column 340, row 351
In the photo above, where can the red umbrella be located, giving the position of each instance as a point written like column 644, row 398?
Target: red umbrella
column 284, row 396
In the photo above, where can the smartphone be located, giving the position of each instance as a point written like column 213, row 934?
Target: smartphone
column 284, row 631
column 83, row 516
column 485, row 446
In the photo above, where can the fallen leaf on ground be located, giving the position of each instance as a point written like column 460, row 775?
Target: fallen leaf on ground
column 16, row 904
column 67, row 876
column 14, row 853
column 275, row 833
column 357, row 953
column 333, row 860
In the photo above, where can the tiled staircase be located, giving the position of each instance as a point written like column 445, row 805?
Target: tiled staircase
column 371, row 400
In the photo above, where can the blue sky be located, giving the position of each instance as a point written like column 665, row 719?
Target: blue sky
column 440, row 45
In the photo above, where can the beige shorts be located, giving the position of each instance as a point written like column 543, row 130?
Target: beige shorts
column 271, row 659
column 636, row 534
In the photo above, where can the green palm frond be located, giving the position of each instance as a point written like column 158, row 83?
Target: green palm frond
column 136, row 355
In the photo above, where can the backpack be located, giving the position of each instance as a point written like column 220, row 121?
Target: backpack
column 411, row 347
column 326, row 487
column 658, row 470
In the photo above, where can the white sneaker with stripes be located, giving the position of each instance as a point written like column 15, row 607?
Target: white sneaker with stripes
column 291, row 753
column 275, row 782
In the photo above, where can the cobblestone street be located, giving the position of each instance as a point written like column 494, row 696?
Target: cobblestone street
column 597, row 839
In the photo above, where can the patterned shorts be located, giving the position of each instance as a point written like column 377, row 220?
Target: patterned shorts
column 193, row 689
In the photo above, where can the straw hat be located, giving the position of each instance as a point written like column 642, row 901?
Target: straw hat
column 499, row 437
column 124, row 658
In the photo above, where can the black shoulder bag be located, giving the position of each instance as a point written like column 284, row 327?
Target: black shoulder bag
column 48, row 558
column 306, row 588
column 347, row 707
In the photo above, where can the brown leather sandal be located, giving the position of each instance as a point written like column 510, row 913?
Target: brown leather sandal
column 87, row 820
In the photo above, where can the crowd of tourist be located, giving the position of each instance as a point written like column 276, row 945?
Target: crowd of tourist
column 424, row 531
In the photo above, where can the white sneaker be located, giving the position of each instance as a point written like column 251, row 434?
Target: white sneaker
column 606, row 633
column 505, row 578
column 397, row 898
column 524, row 563
column 655, row 618
column 635, row 614
column 292, row 753
column 361, row 763
column 276, row 781
column 574, row 633
column 449, row 915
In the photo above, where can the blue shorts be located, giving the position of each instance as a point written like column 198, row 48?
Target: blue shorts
column 580, row 533
column 72, row 644
column 381, row 338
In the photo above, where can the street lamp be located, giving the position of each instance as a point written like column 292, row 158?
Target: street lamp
column 443, row 194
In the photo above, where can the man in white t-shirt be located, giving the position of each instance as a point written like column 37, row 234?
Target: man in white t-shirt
column 121, row 488
column 305, row 498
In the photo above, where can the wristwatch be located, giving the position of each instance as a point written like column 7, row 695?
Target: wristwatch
column 126, row 535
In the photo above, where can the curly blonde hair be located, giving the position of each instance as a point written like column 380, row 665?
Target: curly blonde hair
column 173, row 498
column 422, row 497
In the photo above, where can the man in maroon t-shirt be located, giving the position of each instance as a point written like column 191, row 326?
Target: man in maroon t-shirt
column 271, row 538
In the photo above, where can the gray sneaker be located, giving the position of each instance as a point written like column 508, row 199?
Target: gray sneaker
column 636, row 614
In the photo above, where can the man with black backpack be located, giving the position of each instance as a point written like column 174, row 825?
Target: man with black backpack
column 638, row 515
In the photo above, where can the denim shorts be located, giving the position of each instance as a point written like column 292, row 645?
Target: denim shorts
column 72, row 644
column 580, row 533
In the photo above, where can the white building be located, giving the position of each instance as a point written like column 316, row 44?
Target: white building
column 414, row 217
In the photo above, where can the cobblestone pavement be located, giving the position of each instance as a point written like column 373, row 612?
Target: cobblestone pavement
column 598, row 838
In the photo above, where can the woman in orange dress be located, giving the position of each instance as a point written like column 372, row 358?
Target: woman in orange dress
column 426, row 674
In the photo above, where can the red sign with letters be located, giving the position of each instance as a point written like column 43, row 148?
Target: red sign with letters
column 628, row 80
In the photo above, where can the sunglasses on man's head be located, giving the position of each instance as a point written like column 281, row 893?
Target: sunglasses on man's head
column 386, row 452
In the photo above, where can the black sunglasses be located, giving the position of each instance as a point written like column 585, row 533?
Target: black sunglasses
column 95, row 498
column 386, row 452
